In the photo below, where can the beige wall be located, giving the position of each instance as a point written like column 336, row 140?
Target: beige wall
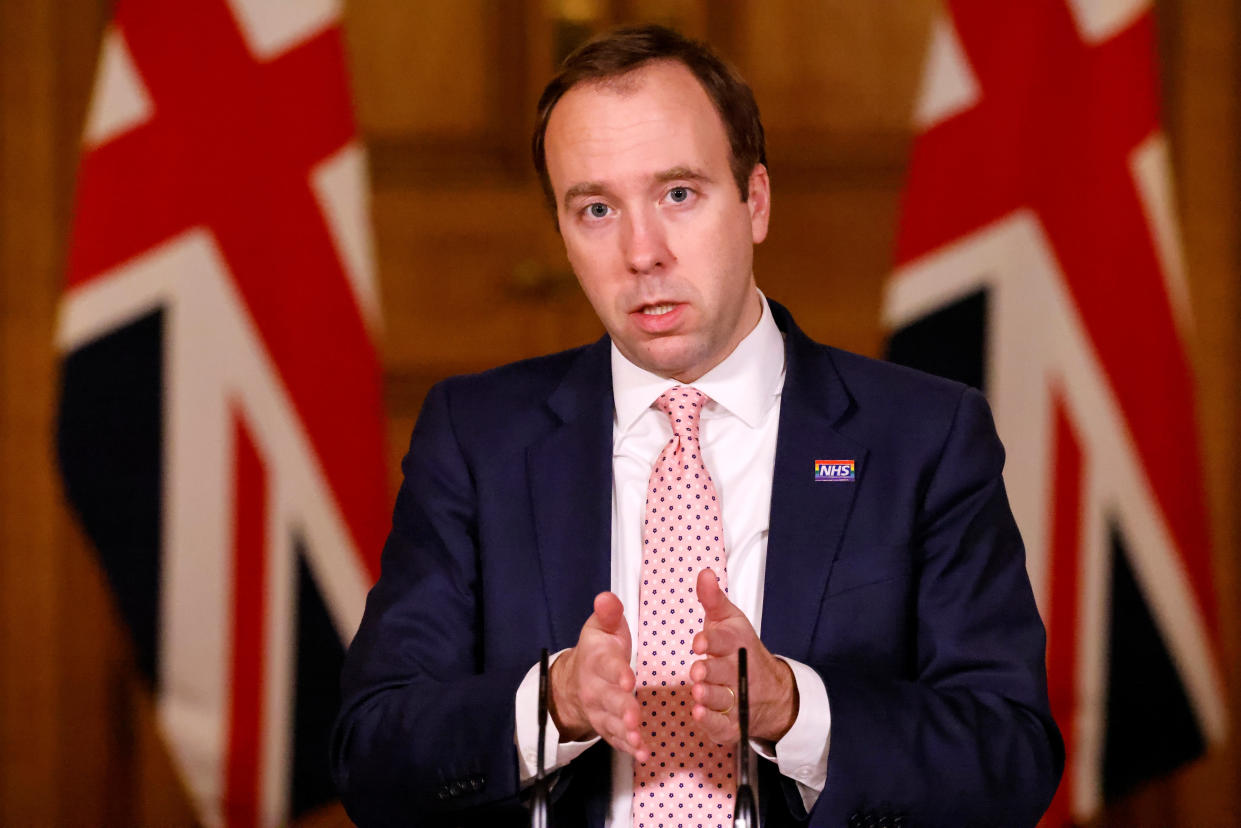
column 473, row 275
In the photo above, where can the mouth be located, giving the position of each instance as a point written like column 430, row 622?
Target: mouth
column 657, row 310
column 659, row 317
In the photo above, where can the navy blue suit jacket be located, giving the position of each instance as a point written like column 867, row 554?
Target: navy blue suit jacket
column 905, row 589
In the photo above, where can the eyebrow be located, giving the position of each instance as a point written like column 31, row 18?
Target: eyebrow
column 593, row 188
column 586, row 188
column 682, row 173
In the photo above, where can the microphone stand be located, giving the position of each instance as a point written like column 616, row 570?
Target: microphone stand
column 538, row 794
column 745, row 814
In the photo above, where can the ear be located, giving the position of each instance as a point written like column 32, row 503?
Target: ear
column 759, row 202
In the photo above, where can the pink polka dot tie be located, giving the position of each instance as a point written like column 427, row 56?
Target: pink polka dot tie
column 689, row 781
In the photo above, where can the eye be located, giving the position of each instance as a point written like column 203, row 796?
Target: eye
column 597, row 210
column 678, row 195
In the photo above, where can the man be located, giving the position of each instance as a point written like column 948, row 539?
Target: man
column 646, row 505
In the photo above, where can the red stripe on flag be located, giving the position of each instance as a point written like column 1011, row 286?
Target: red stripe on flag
column 1054, row 132
column 249, row 632
column 1066, row 558
column 229, row 148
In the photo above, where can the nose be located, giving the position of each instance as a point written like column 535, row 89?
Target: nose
column 645, row 242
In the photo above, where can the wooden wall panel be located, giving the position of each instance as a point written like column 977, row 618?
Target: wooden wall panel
column 455, row 283
column 689, row 16
column 1203, row 117
column 30, row 568
column 423, row 67
column 836, row 65
column 826, row 257
column 78, row 745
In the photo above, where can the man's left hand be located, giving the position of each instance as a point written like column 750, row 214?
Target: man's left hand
column 773, row 690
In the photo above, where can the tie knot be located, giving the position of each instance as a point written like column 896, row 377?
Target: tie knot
column 682, row 403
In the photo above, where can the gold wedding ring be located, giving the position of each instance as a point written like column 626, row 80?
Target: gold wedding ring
column 731, row 704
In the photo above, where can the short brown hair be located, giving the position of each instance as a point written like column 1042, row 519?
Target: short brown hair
column 621, row 51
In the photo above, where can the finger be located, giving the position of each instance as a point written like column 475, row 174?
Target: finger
column 621, row 738
column 631, row 714
column 719, row 640
column 614, row 714
column 611, row 713
column 635, row 747
column 623, row 734
column 721, row 729
column 619, row 703
column 719, row 698
column 639, row 739
column 614, row 670
column 636, row 736
column 715, row 603
column 711, row 670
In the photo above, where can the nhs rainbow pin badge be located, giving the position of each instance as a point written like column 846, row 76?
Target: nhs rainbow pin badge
column 834, row 471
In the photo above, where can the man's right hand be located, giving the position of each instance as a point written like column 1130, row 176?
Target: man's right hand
column 592, row 684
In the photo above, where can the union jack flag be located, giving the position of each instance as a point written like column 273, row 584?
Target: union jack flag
column 1038, row 259
column 221, row 429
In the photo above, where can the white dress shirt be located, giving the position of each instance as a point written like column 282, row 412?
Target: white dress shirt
column 738, row 439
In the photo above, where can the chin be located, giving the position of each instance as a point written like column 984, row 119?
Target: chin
column 665, row 362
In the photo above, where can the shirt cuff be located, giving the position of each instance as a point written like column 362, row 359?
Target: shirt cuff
column 526, row 731
column 802, row 754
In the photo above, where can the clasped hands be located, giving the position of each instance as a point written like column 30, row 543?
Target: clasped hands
column 592, row 684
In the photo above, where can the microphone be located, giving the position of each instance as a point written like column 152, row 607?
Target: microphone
column 538, row 793
column 745, row 814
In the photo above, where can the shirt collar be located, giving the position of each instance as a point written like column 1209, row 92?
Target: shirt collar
column 747, row 383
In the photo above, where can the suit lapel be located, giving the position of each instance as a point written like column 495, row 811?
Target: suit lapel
column 807, row 517
column 570, row 472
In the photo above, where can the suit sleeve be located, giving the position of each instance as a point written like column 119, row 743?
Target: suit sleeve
column 423, row 732
column 966, row 738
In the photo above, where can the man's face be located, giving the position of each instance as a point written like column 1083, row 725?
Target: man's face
column 651, row 218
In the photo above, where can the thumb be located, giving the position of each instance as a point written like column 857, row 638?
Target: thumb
column 609, row 612
column 714, row 602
